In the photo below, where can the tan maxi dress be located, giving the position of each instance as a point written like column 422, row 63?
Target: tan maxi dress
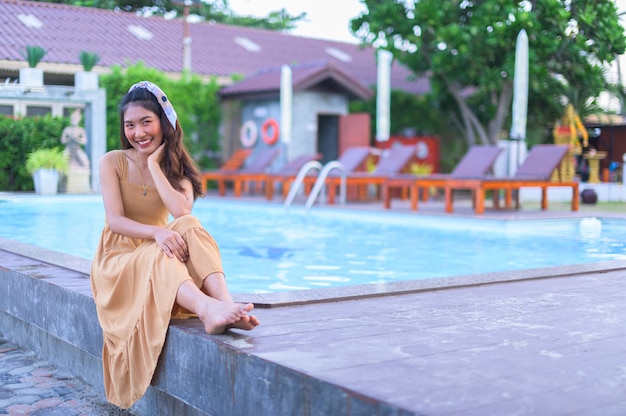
column 134, row 286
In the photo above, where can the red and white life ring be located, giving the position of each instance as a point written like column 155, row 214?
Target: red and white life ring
column 248, row 134
column 268, row 124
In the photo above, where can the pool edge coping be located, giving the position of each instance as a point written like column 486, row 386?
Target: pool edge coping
column 341, row 293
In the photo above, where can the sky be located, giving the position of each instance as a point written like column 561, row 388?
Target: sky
column 327, row 19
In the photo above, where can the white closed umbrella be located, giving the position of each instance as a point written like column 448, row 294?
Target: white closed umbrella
column 383, row 96
column 520, row 87
column 286, row 102
column 520, row 96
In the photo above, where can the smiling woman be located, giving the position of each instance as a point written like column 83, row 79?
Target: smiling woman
column 147, row 269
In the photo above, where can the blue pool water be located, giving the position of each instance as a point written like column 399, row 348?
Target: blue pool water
column 267, row 249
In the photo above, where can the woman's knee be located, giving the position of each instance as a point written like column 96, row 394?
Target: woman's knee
column 182, row 224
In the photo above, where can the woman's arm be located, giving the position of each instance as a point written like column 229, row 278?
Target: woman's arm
column 177, row 202
column 113, row 206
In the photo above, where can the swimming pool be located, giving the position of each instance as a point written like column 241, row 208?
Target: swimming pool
column 267, row 249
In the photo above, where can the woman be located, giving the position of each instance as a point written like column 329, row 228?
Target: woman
column 146, row 270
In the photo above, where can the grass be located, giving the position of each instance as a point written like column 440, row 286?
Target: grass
column 609, row 207
column 617, row 207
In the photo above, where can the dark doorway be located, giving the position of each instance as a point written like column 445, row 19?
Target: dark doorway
column 328, row 137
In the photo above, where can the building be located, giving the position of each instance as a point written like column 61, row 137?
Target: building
column 124, row 38
column 317, row 113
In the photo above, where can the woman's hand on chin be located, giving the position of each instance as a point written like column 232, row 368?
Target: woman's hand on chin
column 157, row 155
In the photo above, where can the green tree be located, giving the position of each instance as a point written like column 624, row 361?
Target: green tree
column 467, row 48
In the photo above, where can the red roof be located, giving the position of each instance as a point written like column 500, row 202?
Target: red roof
column 123, row 38
column 313, row 74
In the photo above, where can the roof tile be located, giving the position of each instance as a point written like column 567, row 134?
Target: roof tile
column 67, row 30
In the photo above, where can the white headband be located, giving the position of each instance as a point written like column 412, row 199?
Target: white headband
column 170, row 113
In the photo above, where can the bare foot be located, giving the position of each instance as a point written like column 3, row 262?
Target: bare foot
column 217, row 316
column 246, row 322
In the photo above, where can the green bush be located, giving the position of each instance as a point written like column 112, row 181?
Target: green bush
column 33, row 55
column 20, row 137
column 54, row 158
column 88, row 59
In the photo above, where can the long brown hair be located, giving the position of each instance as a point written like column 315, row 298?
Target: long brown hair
column 177, row 163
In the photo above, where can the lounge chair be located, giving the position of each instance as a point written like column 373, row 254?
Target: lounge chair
column 285, row 175
column 535, row 171
column 477, row 163
column 256, row 163
column 231, row 165
column 354, row 159
column 394, row 162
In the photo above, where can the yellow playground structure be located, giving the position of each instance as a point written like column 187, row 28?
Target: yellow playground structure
column 568, row 131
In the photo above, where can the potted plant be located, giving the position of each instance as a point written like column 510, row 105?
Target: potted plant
column 45, row 165
column 32, row 76
column 87, row 80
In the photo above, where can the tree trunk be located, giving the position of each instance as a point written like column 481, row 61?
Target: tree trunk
column 473, row 126
column 503, row 105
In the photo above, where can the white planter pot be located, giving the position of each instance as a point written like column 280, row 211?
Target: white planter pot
column 86, row 81
column 46, row 181
column 31, row 77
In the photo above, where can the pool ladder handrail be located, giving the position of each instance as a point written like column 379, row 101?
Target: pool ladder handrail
column 297, row 183
column 320, row 183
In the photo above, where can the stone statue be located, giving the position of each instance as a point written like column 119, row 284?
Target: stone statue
column 74, row 137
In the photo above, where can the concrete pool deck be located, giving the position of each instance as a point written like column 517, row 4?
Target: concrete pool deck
column 536, row 342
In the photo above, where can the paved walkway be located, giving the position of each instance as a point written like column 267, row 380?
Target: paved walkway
column 551, row 346
column 31, row 386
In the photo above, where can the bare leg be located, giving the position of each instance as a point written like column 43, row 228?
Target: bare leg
column 215, row 285
column 216, row 315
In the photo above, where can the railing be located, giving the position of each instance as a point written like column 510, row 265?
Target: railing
column 297, row 183
column 320, row 183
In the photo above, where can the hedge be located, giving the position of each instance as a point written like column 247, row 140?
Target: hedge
column 19, row 138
